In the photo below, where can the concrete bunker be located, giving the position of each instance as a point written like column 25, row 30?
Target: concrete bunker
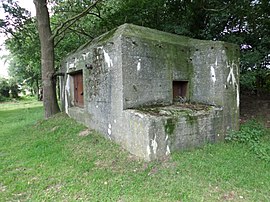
column 153, row 92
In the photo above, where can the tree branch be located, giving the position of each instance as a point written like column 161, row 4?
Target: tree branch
column 215, row 10
column 78, row 32
column 82, row 32
column 8, row 31
column 97, row 15
column 59, row 40
column 63, row 27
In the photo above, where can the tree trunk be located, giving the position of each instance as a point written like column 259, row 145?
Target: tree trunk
column 47, row 59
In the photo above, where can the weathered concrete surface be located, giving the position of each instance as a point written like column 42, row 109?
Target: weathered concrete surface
column 132, row 68
column 156, row 132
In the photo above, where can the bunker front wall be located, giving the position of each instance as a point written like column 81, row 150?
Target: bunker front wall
column 149, row 68
column 152, row 61
column 150, row 65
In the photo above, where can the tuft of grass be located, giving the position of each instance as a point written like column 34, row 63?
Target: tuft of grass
column 60, row 160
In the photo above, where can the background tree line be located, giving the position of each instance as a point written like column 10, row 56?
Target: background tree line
column 244, row 22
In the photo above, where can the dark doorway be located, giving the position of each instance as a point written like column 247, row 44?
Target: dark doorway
column 180, row 89
column 78, row 89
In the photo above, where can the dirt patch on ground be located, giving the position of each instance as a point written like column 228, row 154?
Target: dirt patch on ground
column 85, row 133
column 255, row 107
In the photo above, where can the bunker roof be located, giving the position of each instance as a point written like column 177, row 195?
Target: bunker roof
column 130, row 30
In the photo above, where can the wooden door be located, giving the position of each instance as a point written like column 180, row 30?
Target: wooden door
column 78, row 89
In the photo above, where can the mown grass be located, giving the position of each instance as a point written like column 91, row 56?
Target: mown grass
column 52, row 160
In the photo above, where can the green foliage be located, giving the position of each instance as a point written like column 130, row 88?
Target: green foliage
column 253, row 134
column 255, row 81
column 14, row 18
column 23, row 44
column 249, row 132
column 24, row 58
column 4, row 88
column 248, row 81
column 8, row 88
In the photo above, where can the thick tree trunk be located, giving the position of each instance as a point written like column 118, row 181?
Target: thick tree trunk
column 47, row 58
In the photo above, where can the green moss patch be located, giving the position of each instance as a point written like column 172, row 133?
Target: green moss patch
column 170, row 125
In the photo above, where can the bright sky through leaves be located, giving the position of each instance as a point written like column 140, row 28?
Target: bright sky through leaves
column 28, row 5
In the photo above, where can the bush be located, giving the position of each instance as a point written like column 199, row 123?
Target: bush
column 8, row 88
column 4, row 87
column 250, row 131
column 2, row 98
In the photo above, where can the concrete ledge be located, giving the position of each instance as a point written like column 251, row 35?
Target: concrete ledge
column 155, row 132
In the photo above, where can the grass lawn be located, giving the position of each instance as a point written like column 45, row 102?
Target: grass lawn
column 53, row 160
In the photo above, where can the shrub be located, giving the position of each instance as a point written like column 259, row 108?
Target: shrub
column 8, row 88
column 252, row 133
column 4, row 87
